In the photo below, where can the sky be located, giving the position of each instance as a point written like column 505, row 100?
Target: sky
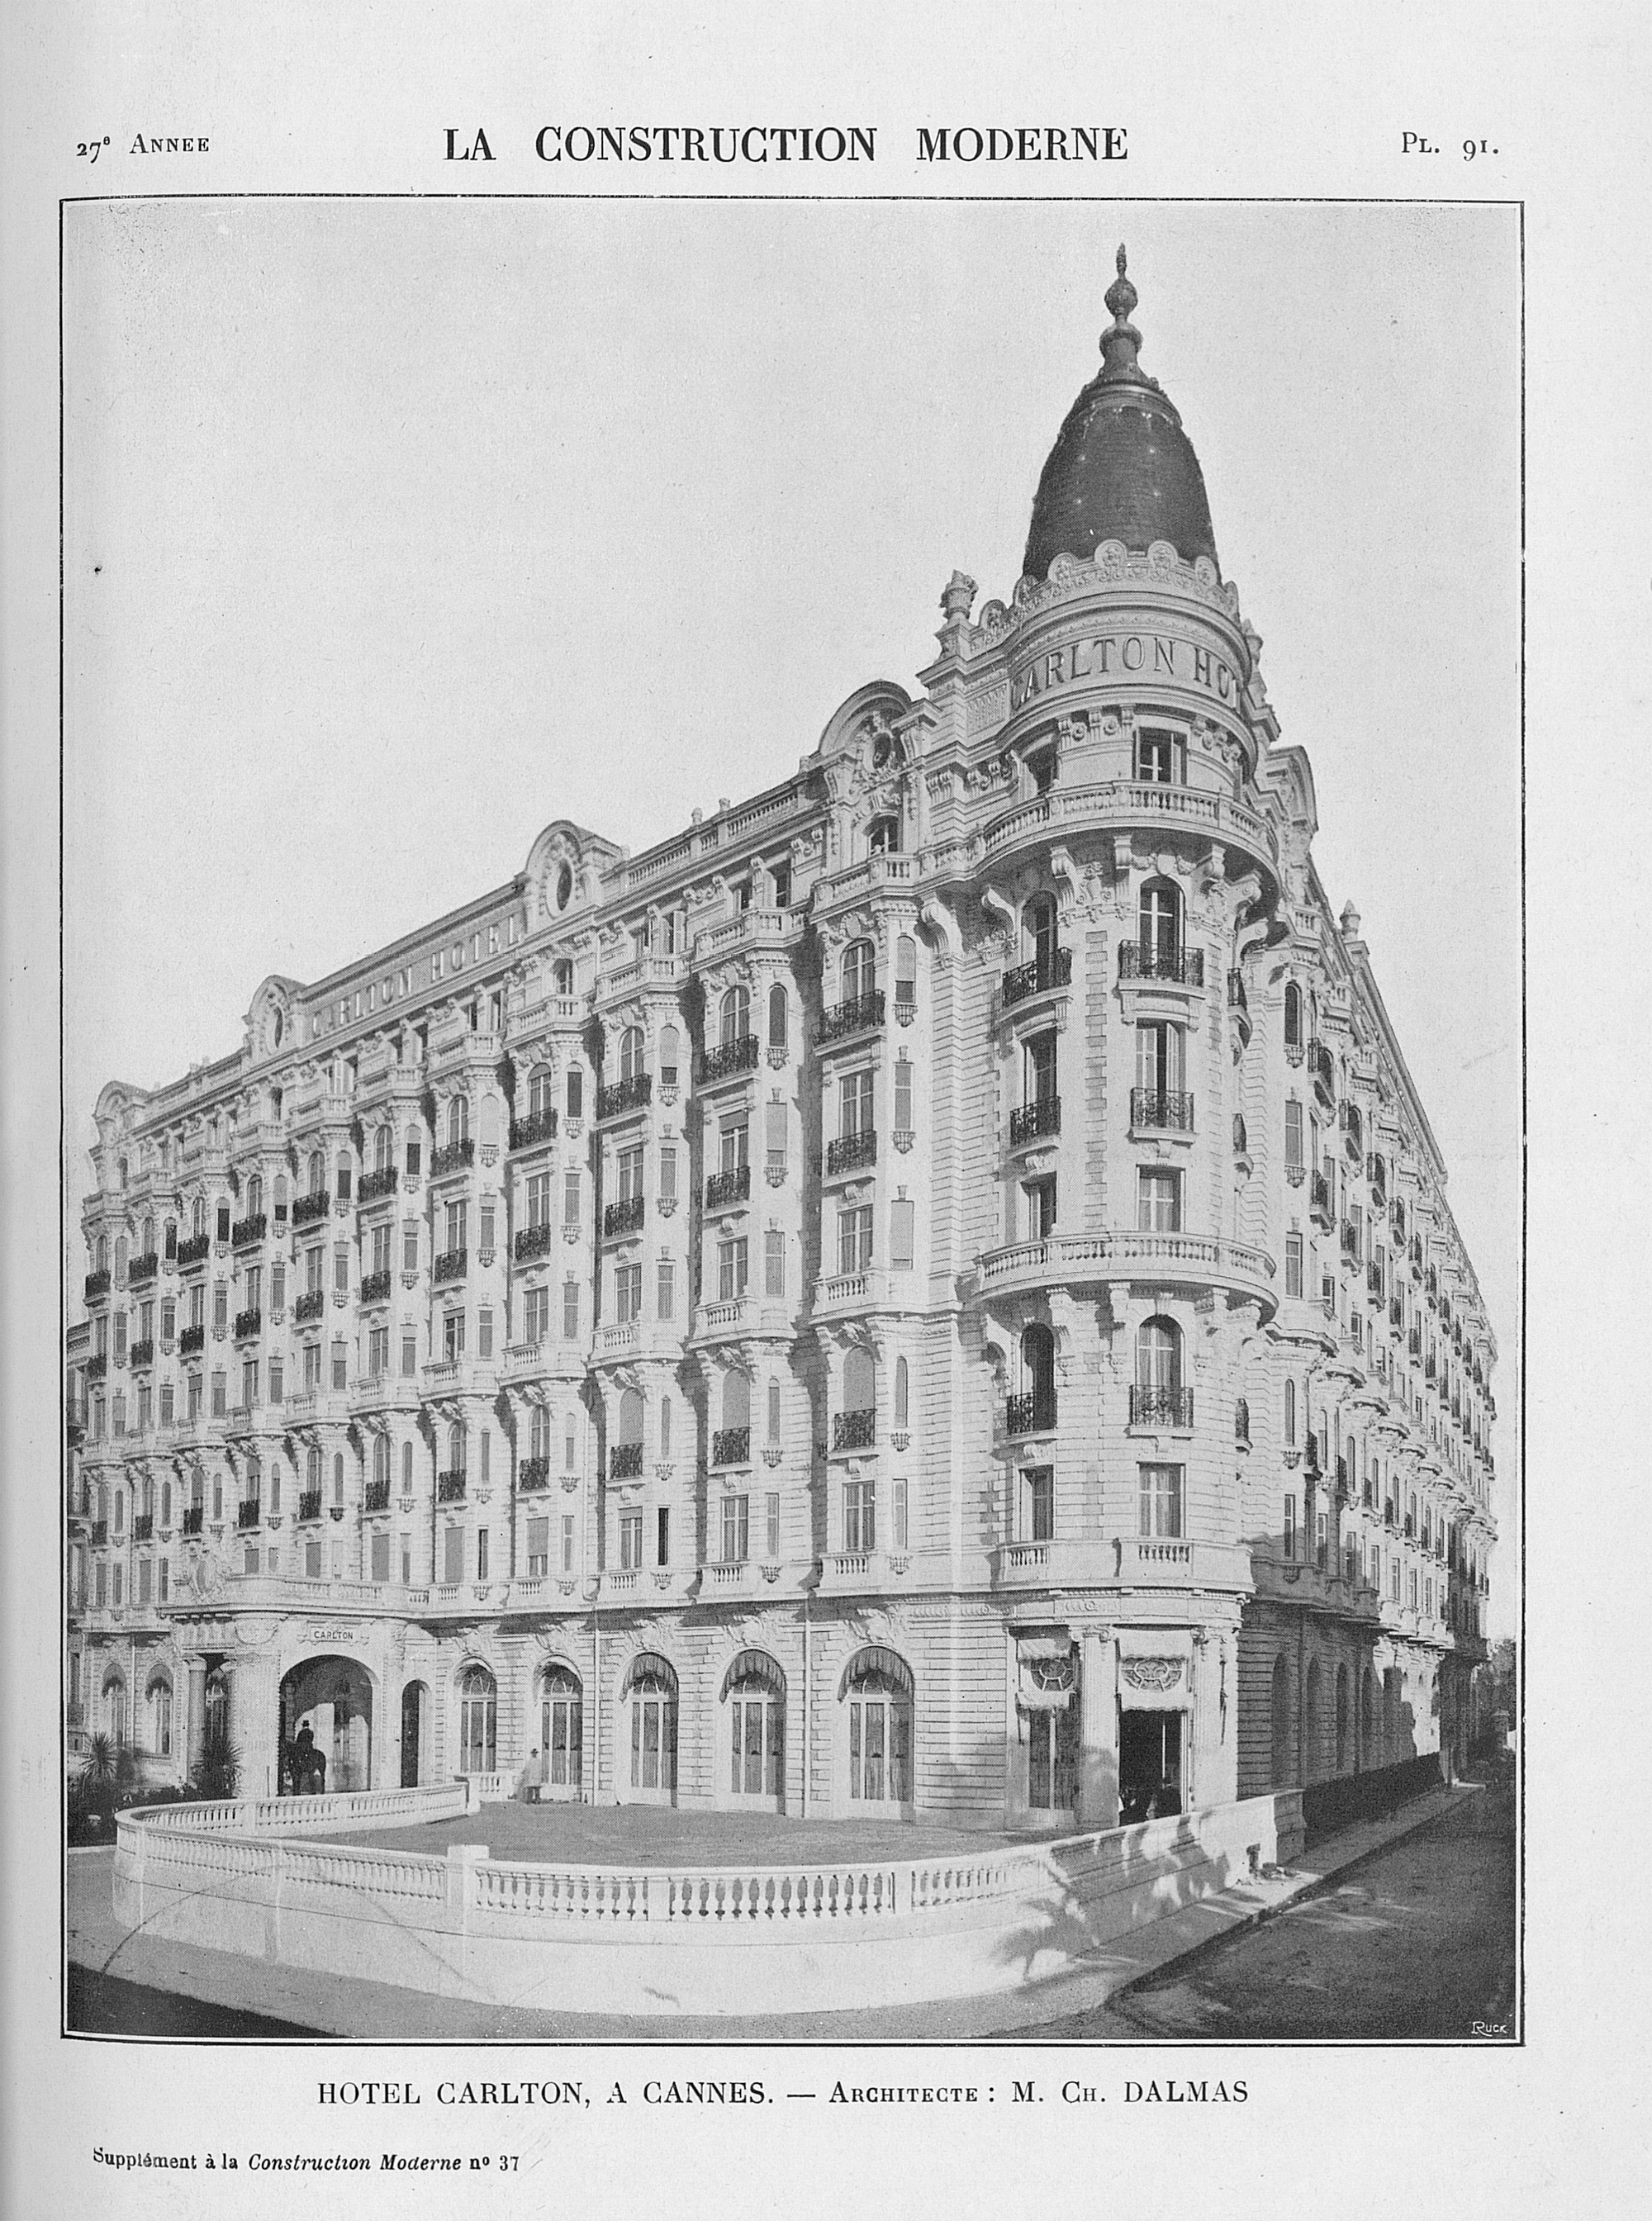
column 395, row 529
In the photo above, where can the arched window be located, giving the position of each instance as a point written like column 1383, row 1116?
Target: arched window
column 631, row 1051
column 458, row 1120
column 165, row 1503
column 859, row 1382
column 630, row 1417
column 905, row 973
column 1038, row 924
column 538, row 1442
column 877, row 1695
column 313, row 1473
column 755, row 1690
column 1280, row 1716
column 196, row 1491
column 103, row 1246
column 901, row 1392
column 650, row 1689
column 381, row 1461
column 737, row 1402
column 159, row 1696
column 115, row 1709
column 734, row 1015
column 149, row 1225
column 456, row 1448
column 670, row 1055
column 1038, row 1372
column 120, row 1510
column 254, row 1203
column 318, row 1173
column 562, row 974
column 407, row 1467
column 198, row 1217
column 1292, row 1015
column 539, row 1085
column 338, row 1478
column 478, row 1721
column 561, row 1729
column 860, row 970
column 1158, row 1398
column 149, row 1498
column 1159, row 923
column 120, row 1173
column 384, row 1148
column 778, row 1019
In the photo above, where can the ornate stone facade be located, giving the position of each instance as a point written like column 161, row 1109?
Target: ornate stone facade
column 931, row 1290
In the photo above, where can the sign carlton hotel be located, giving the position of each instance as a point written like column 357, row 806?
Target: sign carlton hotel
column 930, row 1294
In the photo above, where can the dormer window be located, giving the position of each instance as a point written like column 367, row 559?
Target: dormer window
column 1160, row 759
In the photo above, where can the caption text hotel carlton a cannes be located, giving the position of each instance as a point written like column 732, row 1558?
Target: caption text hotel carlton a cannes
column 929, row 1293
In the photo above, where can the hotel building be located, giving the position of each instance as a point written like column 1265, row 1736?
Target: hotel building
column 930, row 1293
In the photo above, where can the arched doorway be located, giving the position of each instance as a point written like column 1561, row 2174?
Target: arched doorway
column 478, row 1721
column 1281, row 1721
column 1362, row 1758
column 326, row 1714
column 415, row 1713
column 1341, row 1719
column 876, row 1698
column 1311, row 1755
column 562, row 1733
column 648, row 1697
column 753, row 1691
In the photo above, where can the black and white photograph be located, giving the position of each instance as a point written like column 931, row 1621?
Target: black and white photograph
column 792, row 1104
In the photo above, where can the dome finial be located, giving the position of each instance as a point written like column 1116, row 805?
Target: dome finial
column 1121, row 340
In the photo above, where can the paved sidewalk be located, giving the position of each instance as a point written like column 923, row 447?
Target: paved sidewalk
column 334, row 2006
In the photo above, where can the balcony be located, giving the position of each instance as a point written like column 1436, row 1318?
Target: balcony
column 99, row 1533
column 194, row 1251
column 625, row 1461
column 246, row 1232
column 533, row 1473
column 1353, row 1125
column 1031, row 1414
column 192, row 1341
column 1040, row 976
column 851, row 1151
column 1373, row 1281
column 450, row 1486
column 306, row 1208
column 728, row 1057
column 1319, row 1203
column 1431, row 1285
column 248, row 1514
column 143, row 1352
column 624, row 1217
column 97, row 1285
column 377, row 1497
column 1350, row 1240
column 732, row 1446
column 142, row 1268
column 1157, row 1109
column 247, row 1324
column 98, row 1365
column 1239, row 1003
column 194, row 1518
column 1396, row 1314
column 624, row 1095
column 375, row 1286
column 533, row 1242
column 1323, row 1072
column 723, row 1188
column 310, row 1506
column 1031, row 1121
column 1175, row 967
column 311, row 1305
column 855, row 1430
column 376, row 1185
column 1162, row 1407
column 451, row 1264
column 858, row 1015
column 529, row 1133
column 143, row 1527
column 452, row 1157
column 1414, row 1343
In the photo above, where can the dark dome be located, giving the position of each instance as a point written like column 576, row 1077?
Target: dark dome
column 1122, row 467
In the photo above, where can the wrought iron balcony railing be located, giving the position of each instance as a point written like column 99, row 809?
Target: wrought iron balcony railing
column 377, row 1497
column 527, row 1133
column 623, row 1217
column 1029, row 1121
column 450, row 1485
column 732, row 1186
column 624, row 1095
column 143, row 1527
column 853, row 1016
column 376, row 1184
column 306, row 1208
column 248, row 1513
column 194, row 1518
column 1396, row 1313
column 1160, row 1107
column 451, row 1264
column 194, row 1250
column 98, row 1365
column 731, row 1445
column 96, row 1284
column 625, row 1461
column 1319, row 1203
column 452, row 1157
column 1323, row 1072
column 245, row 1231
column 309, row 1305
column 310, row 1505
column 533, row 1242
column 1350, row 1239
column 143, row 1352
column 1160, row 1407
column 855, row 1430
column 142, row 1268
column 375, row 1286
column 533, row 1472
column 1033, row 1413
column 99, row 1532
column 737, row 1055
column 1038, row 976
column 1180, row 967
column 247, row 1324
column 192, row 1339
column 851, row 1151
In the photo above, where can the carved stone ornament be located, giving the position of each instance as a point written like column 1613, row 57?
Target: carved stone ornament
column 1153, row 1673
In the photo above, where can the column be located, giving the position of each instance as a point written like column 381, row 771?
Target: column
column 255, row 1719
column 1099, row 1730
column 195, row 1728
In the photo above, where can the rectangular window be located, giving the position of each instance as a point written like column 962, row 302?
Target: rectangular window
column 406, row 1558
column 536, row 1315
column 195, row 1401
column 409, row 1356
column 145, row 1576
column 538, row 1199
column 452, row 1337
column 774, row 1136
column 570, row 1310
column 1162, row 1502
column 629, row 1166
column 484, row 1221
column 414, row 1149
column 1038, row 1504
column 859, row 1515
column 220, row 1307
column 163, row 1581
column 341, row 1269
column 452, row 1568
column 897, row 1512
column 344, row 1183
column 1038, row 1198
column 481, row 1553
column 903, row 1095
column 1158, row 1057
column 571, row 1198
column 854, row 1105
column 458, row 1217
column 340, row 1366
column 249, row 1383
column 484, row 1333
column 118, row 1590
column 378, row 1353
column 567, row 1542
column 166, row 1393
column 734, row 1145
column 666, row 1288
column 1322, row 1540
column 731, row 1269
column 381, row 1247
column 628, row 1292
column 1293, row 1264
column 1158, row 1200
column 1290, row 1526
column 277, row 1379
column 144, row 1418
column 1293, row 1135
column 100, row 1583
column 630, row 1536
column 854, row 1239
column 1038, row 1069
column 735, row 1529
column 774, row 1261
column 539, row 1548
column 902, row 1232
column 380, row 1570
column 662, row 1536
column 1160, row 759
column 667, row 1175
column 771, row 1524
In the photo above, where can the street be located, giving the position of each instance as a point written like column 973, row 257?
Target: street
column 1418, row 1941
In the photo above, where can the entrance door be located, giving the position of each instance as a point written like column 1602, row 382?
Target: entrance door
column 1149, row 1766
column 412, row 1723
column 562, row 1736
